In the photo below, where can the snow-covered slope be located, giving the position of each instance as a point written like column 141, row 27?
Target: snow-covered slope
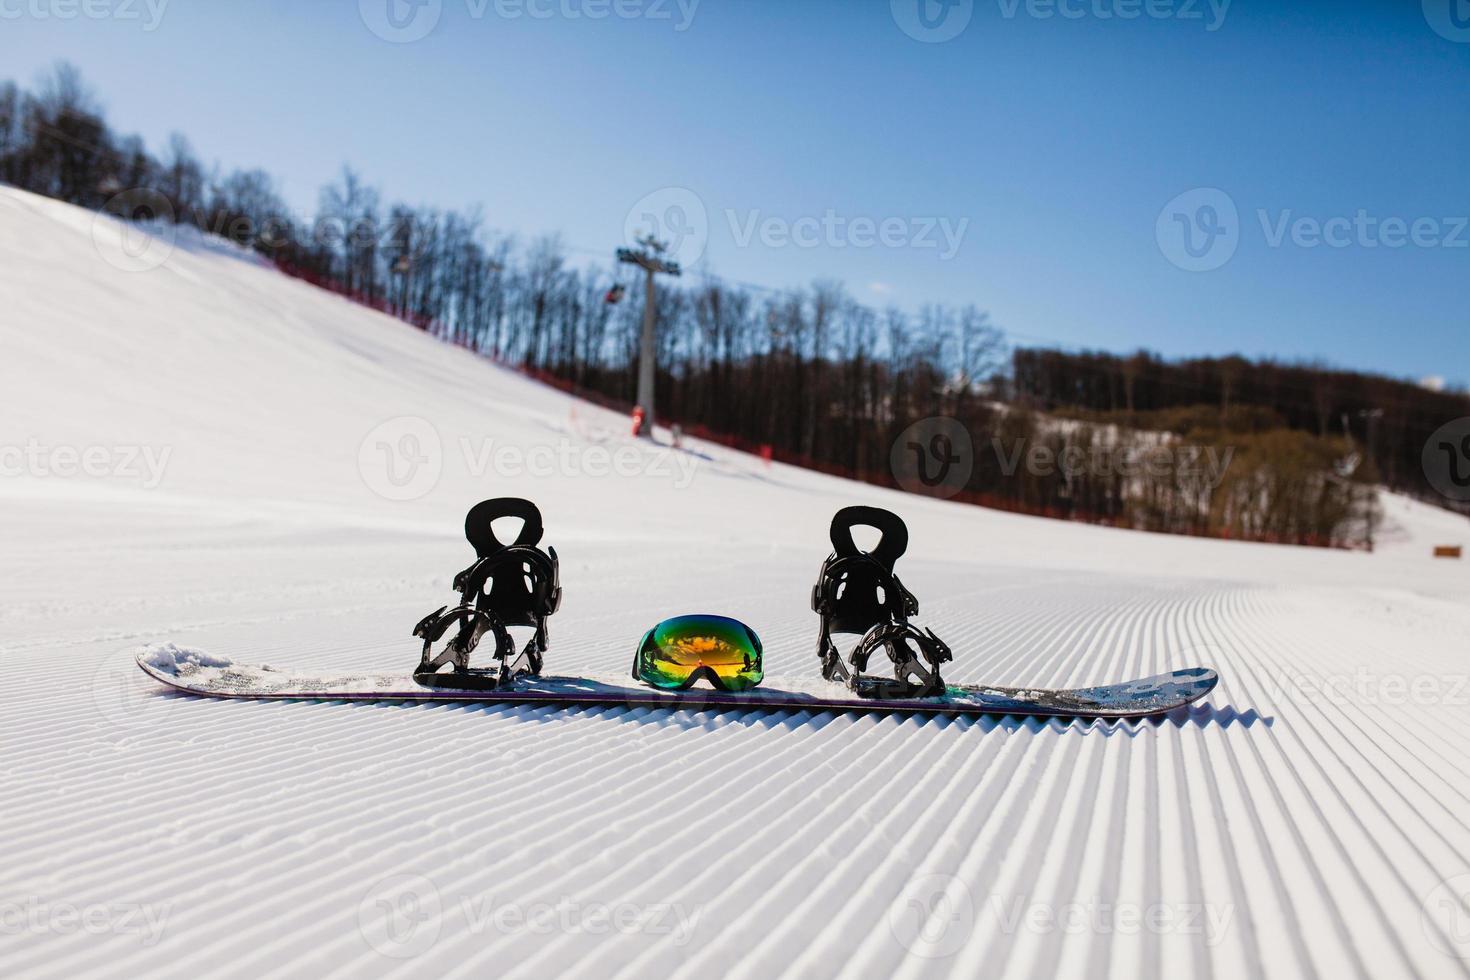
column 250, row 439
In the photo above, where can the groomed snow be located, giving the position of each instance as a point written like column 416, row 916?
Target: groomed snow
column 1313, row 820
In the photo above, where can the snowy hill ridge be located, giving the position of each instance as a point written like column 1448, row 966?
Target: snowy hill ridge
column 209, row 453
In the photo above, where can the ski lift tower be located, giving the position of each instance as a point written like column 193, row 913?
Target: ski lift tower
column 649, row 257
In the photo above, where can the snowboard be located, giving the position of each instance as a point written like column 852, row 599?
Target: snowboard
column 196, row 672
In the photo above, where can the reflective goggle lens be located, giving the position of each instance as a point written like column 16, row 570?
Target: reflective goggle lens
column 677, row 651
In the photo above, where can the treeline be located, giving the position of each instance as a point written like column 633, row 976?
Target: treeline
column 808, row 375
column 1385, row 421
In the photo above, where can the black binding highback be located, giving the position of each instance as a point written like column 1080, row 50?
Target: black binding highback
column 863, row 591
column 512, row 595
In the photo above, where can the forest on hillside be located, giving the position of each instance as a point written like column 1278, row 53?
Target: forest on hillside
column 1218, row 446
column 1385, row 419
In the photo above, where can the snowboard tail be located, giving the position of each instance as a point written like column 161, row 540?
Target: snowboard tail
column 195, row 672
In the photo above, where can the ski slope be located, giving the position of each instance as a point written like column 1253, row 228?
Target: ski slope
column 247, row 434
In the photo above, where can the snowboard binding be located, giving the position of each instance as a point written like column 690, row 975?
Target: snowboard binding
column 514, row 584
column 858, row 592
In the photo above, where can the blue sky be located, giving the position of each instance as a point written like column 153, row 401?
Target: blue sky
column 1046, row 162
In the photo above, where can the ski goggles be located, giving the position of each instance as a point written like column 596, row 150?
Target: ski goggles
column 679, row 651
